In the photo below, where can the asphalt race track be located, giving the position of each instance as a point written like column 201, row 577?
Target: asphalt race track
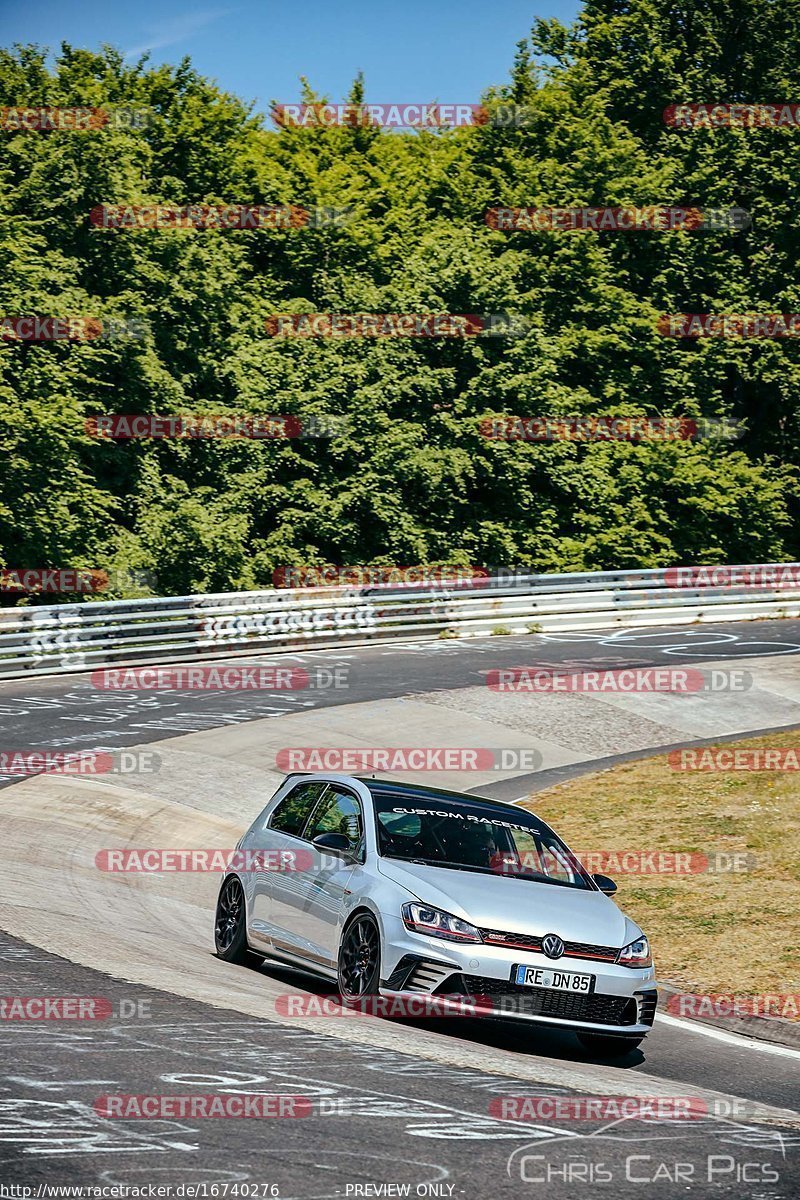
column 67, row 712
column 392, row 1108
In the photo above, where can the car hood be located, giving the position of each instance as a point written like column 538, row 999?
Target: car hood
column 515, row 905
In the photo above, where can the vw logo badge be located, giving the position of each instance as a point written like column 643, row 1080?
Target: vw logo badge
column 552, row 945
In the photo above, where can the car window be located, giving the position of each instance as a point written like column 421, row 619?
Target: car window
column 339, row 812
column 400, row 825
column 535, row 855
column 294, row 810
column 473, row 835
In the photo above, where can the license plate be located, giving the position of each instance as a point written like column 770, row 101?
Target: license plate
column 559, row 981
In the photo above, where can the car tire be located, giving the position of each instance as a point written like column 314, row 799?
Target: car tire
column 608, row 1046
column 359, row 962
column 230, row 928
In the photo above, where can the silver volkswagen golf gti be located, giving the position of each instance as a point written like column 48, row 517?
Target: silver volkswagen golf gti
column 400, row 890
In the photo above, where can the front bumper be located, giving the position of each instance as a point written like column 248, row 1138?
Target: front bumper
column 621, row 1004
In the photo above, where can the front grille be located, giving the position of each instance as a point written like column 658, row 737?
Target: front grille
column 518, row 941
column 525, row 941
column 594, row 1009
column 598, row 953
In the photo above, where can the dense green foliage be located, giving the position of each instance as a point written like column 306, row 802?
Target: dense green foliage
column 412, row 481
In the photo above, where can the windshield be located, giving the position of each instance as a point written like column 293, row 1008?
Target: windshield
column 473, row 836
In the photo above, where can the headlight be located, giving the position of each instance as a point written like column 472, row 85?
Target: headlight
column 637, row 954
column 435, row 923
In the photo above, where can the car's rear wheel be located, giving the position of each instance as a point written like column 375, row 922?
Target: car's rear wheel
column 359, row 967
column 230, row 932
column 608, row 1046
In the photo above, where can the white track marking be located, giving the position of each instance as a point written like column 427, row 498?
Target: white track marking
column 732, row 1039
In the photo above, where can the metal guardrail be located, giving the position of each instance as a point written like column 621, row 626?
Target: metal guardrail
column 54, row 639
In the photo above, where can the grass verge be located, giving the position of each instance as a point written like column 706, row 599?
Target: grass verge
column 733, row 932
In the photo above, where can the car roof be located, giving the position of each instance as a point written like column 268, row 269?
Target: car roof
column 421, row 791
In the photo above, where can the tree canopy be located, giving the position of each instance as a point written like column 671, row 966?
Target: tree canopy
column 410, row 478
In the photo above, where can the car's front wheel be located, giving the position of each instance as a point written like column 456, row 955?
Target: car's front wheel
column 359, row 966
column 608, row 1046
column 230, row 933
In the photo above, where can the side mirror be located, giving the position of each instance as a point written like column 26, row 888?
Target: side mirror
column 605, row 884
column 337, row 842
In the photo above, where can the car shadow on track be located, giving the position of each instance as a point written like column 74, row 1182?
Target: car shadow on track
column 513, row 1036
